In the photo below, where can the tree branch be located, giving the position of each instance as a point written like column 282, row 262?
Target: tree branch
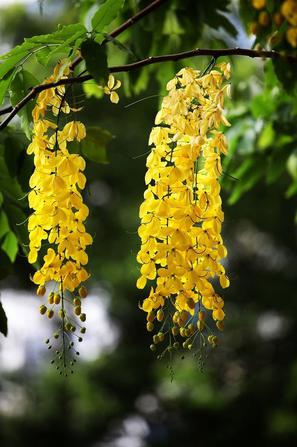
column 144, row 62
column 37, row 89
column 116, row 32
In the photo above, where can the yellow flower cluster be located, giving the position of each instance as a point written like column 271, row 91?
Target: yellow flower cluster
column 287, row 10
column 55, row 198
column 181, row 216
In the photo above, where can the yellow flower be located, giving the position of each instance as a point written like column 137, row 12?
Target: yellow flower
column 181, row 216
column 110, row 88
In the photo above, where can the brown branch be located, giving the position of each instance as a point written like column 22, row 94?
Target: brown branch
column 149, row 61
column 37, row 89
column 117, row 31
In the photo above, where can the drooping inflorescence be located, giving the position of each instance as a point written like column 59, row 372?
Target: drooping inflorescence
column 56, row 225
column 181, row 215
column 57, row 221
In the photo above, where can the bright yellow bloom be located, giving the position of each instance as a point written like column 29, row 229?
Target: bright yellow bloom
column 56, row 200
column 181, row 216
column 110, row 88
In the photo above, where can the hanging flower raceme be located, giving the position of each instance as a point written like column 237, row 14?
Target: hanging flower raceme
column 58, row 217
column 181, row 216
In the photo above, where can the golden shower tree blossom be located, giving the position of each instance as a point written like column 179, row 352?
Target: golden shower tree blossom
column 181, row 216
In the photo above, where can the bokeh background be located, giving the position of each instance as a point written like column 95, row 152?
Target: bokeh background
column 120, row 394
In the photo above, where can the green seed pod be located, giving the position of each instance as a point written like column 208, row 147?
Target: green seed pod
column 83, row 330
column 176, row 345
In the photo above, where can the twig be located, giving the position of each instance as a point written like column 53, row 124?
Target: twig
column 149, row 61
column 116, row 32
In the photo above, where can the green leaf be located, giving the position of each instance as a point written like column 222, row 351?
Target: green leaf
column 23, row 81
column 1, row 198
column 91, row 88
column 292, row 190
column 5, row 84
column 4, row 226
column 10, row 245
column 95, row 58
column 3, row 321
column 106, row 14
column 10, row 63
column 94, row 145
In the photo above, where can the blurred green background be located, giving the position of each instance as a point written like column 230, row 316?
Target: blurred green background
column 120, row 394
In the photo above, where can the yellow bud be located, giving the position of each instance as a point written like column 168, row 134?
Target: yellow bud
column 82, row 291
column 200, row 325
column 220, row 325
column 264, row 18
column 40, row 291
column 254, row 28
column 76, row 301
column 50, row 313
column 82, row 317
column 57, row 298
column 150, row 316
column 150, row 326
column 42, row 309
column 161, row 336
column 160, row 315
column 153, row 347
column 174, row 330
column 50, row 298
column 201, row 315
column 68, row 326
column 278, row 19
column 156, row 339
column 77, row 310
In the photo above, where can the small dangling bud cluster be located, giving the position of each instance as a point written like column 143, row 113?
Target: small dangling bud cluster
column 58, row 214
column 181, row 216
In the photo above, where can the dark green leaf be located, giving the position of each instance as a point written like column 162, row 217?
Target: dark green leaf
column 4, row 226
column 94, row 145
column 3, row 321
column 106, row 14
column 95, row 58
column 10, row 245
column 8, row 185
column 18, row 224
column 23, row 81
column 4, row 84
column 12, row 151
